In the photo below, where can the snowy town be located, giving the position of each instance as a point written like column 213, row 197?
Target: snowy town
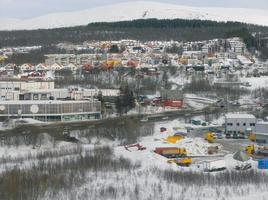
column 191, row 115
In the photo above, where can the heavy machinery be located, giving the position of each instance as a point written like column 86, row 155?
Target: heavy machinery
column 182, row 162
column 209, row 137
column 252, row 137
column 171, row 152
column 250, row 150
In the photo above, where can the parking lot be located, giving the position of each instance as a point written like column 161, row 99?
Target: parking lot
column 229, row 145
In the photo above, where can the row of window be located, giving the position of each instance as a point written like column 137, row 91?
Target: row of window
column 238, row 124
column 9, row 88
column 234, row 132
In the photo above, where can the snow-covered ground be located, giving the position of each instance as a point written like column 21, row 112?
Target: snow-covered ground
column 138, row 10
column 147, row 180
column 256, row 82
column 196, row 147
column 13, row 123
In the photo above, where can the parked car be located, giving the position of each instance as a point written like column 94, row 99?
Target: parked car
column 214, row 130
column 235, row 136
column 217, row 135
column 241, row 136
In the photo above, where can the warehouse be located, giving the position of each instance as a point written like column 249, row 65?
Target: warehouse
column 239, row 123
column 262, row 132
column 51, row 110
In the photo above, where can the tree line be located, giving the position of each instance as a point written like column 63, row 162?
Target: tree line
column 146, row 29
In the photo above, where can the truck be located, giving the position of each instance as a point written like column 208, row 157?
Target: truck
column 252, row 137
column 171, row 152
column 250, row 150
column 213, row 166
column 209, row 137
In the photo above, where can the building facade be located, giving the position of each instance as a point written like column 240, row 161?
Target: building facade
column 239, row 123
column 51, row 110
column 262, row 132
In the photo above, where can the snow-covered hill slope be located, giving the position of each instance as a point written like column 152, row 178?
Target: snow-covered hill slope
column 139, row 10
column 8, row 21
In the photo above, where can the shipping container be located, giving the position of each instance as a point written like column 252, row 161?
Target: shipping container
column 216, row 165
column 263, row 164
column 171, row 152
column 159, row 150
column 173, row 103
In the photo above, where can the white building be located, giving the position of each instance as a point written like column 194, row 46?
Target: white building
column 239, row 123
column 262, row 132
column 51, row 110
column 10, row 90
column 66, row 59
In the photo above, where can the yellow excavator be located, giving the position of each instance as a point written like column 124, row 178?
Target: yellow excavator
column 250, row 150
column 209, row 137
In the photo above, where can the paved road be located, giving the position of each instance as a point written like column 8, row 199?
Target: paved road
column 233, row 145
column 229, row 145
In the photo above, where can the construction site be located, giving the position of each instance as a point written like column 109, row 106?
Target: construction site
column 181, row 146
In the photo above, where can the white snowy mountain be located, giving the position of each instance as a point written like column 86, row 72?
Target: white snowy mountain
column 137, row 10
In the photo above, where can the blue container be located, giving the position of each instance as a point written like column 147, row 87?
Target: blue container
column 263, row 164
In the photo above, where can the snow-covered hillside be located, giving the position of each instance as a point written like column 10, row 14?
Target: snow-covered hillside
column 8, row 21
column 137, row 10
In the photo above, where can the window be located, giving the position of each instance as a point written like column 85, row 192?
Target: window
column 35, row 96
column 252, row 124
column 237, row 124
column 16, row 89
column 229, row 124
column 43, row 96
column 244, row 124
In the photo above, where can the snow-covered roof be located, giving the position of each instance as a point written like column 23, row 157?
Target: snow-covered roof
column 262, row 123
column 239, row 115
column 261, row 134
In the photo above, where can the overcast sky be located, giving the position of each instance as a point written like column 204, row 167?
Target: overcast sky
column 32, row 8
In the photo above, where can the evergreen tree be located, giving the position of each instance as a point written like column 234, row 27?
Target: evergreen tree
column 125, row 101
column 114, row 49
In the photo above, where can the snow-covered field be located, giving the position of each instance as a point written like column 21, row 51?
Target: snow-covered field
column 138, row 10
column 12, row 123
column 256, row 82
column 98, row 168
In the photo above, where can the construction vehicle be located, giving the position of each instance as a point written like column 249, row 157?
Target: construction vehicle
column 171, row 152
column 250, row 150
column 252, row 137
column 209, row 137
column 182, row 162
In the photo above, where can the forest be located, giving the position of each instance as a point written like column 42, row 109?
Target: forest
column 144, row 30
